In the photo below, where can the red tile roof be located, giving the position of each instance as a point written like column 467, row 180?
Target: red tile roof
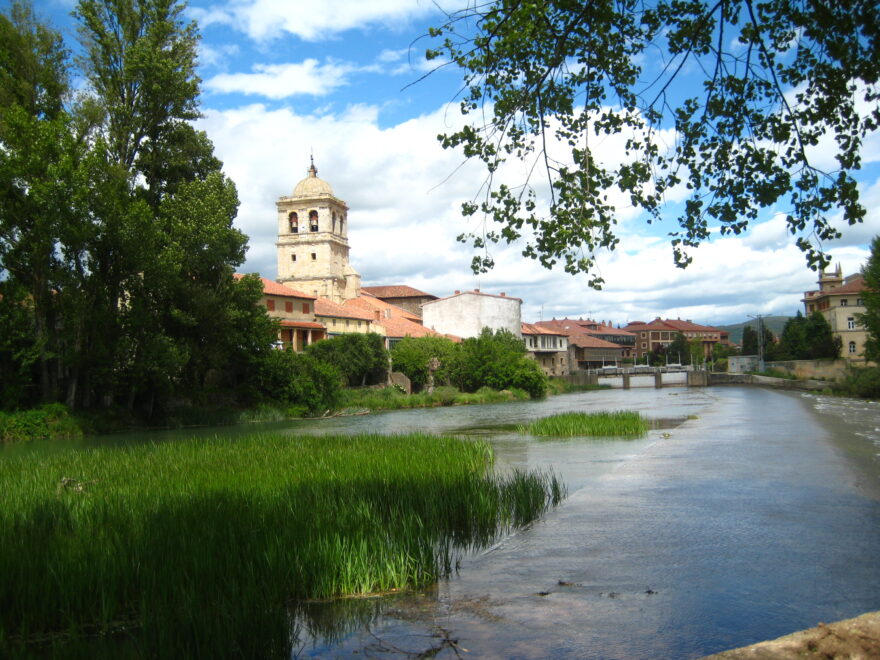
column 286, row 323
column 586, row 340
column 371, row 304
column 535, row 329
column 275, row 289
column 324, row 307
column 396, row 291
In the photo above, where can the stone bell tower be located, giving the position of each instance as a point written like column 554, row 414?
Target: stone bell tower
column 313, row 241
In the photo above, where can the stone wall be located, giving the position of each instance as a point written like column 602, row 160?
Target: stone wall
column 819, row 369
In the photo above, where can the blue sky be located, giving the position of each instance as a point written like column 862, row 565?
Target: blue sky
column 284, row 79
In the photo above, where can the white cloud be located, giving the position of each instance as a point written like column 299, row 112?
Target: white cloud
column 405, row 191
column 263, row 20
column 278, row 81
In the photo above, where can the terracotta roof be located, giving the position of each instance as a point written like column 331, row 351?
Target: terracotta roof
column 535, row 329
column 475, row 292
column 401, row 327
column 676, row 325
column 854, row 284
column 396, row 291
column 324, row 307
column 568, row 326
column 275, row 289
column 371, row 304
column 586, row 340
column 285, row 323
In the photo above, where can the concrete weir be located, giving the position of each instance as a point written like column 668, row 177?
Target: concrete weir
column 646, row 377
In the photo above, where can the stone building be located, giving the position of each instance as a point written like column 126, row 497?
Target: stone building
column 295, row 311
column 402, row 295
column 312, row 242
column 840, row 301
column 549, row 348
column 466, row 313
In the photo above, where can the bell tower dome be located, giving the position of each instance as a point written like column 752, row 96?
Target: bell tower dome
column 312, row 245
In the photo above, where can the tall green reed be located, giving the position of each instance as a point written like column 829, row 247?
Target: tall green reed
column 601, row 423
column 201, row 544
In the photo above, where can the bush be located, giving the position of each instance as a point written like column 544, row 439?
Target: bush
column 865, row 383
column 300, row 380
column 52, row 420
column 360, row 358
column 411, row 355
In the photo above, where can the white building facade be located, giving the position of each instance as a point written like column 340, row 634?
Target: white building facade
column 466, row 313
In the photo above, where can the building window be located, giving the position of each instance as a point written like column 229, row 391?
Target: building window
column 850, row 323
column 859, row 302
column 313, row 220
column 852, row 348
column 644, row 334
column 844, row 302
column 334, row 221
column 270, row 305
column 293, row 221
column 293, row 257
column 314, row 256
column 305, row 308
column 288, row 306
column 644, row 345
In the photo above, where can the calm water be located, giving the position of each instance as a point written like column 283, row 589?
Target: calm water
column 757, row 516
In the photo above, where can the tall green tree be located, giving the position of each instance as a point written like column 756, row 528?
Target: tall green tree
column 360, row 358
column 870, row 319
column 547, row 81
column 35, row 146
column 498, row 360
column 411, row 356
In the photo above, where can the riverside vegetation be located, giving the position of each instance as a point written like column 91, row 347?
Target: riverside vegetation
column 199, row 547
column 602, row 423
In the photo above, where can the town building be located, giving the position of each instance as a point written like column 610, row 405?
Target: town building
column 295, row 310
column 840, row 301
column 312, row 247
column 599, row 329
column 395, row 322
column 466, row 313
column 402, row 296
column 659, row 333
column 548, row 348
column 339, row 319
column 588, row 347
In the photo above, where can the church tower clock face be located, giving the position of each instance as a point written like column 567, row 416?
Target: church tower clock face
column 312, row 242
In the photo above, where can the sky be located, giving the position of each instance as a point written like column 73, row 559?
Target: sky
column 343, row 82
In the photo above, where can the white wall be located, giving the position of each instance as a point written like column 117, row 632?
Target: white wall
column 467, row 313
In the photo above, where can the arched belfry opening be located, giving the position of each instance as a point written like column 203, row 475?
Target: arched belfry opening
column 322, row 240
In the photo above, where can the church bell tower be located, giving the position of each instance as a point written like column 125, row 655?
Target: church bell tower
column 312, row 242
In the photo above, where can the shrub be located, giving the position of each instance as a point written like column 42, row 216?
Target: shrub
column 52, row 420
column 865, row 383
column 300, row 380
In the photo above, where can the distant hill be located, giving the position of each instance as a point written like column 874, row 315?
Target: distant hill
column 774, row 323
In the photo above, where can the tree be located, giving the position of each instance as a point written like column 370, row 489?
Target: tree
column 679, row 350
column 411, row 356
column 821, row 342
column 498, row 360
column 870, row 319
column 793, row 343
column 547, row 80
column 360, row 358
column 750, row 342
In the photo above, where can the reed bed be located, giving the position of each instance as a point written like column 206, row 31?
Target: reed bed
column 200, row 545
column 602, row 423
column 391, row 398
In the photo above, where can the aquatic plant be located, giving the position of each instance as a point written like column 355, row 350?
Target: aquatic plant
column 201, row 544
column 602, row 423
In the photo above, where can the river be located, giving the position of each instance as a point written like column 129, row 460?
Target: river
column 756, row 514
column 756, row 517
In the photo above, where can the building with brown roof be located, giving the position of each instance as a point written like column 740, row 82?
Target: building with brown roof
column 588, row 346
column 840, row 301
column 395, row 322
column 549, row 348
column 339, row 319
column 295, row 310
column 401, row 295
column 659, row 333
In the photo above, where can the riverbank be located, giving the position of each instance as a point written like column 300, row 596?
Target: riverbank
column 858, row 637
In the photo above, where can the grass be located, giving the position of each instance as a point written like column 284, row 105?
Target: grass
column 603, row 423
column 201, row 545
column 391, row 398
column 775, row 373
column 558, row 385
